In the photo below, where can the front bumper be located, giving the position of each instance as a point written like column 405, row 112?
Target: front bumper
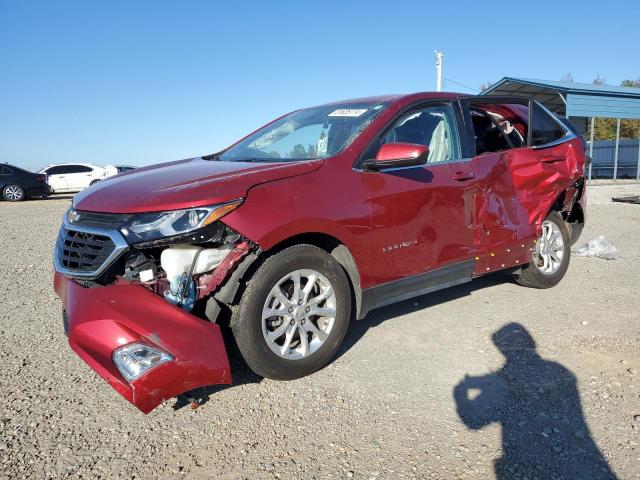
column 101, row 319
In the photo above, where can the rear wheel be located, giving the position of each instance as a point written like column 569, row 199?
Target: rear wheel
column 13, row 193
column 550, row 257
column 294, row 313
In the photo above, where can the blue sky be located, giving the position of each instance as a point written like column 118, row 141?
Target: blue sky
column 142, row 82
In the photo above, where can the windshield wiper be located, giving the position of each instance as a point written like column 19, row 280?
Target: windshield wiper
column 258, row 160
column 212, row 156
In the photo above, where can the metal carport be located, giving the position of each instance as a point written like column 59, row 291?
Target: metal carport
column 579, row 102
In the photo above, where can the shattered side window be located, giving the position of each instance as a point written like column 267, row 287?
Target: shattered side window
column 500, row 126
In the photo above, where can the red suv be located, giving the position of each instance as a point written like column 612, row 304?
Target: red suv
column 316, row 218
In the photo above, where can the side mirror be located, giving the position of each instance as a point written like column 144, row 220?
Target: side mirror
column 394, row 155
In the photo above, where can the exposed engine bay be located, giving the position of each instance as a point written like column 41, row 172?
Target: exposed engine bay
column 183, row 269
column 183, row 274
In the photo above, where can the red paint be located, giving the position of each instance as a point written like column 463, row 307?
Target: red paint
column 395, row 224
column 104, row 318
column 183, row 184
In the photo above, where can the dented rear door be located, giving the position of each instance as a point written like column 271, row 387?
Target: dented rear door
column 519, row 186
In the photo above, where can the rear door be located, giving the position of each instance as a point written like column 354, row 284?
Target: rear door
column 79, row 177
column 57, row 178
column 525, row 159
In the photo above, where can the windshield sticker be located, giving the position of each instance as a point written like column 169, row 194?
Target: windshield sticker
column 348, row 112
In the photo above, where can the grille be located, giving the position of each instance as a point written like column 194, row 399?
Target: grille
column 104, row 221
column 83, row 252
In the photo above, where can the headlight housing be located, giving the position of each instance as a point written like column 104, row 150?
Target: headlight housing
column 150, row 227
column 136, row 359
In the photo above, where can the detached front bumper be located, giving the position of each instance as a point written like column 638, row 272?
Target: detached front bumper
column 102, row 319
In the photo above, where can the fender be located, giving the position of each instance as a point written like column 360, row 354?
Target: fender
column 275, row 212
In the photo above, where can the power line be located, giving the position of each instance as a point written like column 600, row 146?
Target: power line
column 461, row 84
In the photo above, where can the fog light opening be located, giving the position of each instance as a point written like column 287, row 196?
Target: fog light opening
column 136, row 359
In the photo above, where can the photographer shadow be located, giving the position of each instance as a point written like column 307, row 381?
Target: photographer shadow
column 536, row 402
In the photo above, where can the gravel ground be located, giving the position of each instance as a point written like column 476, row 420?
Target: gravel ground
column 391, row 405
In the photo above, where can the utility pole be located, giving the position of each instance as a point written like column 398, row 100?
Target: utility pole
column 439, row 57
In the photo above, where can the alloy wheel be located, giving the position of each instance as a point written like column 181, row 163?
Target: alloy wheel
column 13, row 193
column 299, row 314
column 549, row 251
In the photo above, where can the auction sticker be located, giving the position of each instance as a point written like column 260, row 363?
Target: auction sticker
column 348, row 112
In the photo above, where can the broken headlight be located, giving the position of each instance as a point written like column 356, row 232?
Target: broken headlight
column 149, row 227
column 136, row 359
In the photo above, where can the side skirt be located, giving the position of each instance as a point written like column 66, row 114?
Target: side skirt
column 398, row 290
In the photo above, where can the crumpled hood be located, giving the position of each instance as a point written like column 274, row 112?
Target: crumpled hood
column 183, row 184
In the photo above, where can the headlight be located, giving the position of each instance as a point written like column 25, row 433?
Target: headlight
column 136, row 359
column 147, row 227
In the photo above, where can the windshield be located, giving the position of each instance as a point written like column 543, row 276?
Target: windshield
column 317, row 132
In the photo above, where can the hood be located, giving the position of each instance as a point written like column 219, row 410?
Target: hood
column 184, row 184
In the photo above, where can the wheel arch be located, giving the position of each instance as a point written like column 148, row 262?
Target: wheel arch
column 338, row 250
column 567, row 203
column 232, row 289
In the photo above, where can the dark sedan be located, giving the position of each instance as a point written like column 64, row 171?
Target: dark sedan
column 17, row 184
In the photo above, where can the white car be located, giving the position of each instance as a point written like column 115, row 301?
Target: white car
column 74, row 177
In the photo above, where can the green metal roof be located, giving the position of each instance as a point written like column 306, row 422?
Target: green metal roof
column 573, row 99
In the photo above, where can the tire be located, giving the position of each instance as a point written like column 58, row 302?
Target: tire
column 93, row 182
column 323, row 333
column 14, row 193
column 546, row 273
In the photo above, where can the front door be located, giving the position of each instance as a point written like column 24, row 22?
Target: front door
column 422, row 216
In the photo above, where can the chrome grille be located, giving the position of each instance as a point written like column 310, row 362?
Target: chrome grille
column 83, row 252
column 86, row 252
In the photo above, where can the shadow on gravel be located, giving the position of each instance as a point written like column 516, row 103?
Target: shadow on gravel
column 359, row 328
column 241, row 374
column 59, row 196
column 536, row 401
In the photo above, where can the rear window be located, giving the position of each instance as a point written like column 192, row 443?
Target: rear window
column 501, row 126
column 545, row 128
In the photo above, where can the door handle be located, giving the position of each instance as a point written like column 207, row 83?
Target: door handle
column 552, row 158
column 463, row 176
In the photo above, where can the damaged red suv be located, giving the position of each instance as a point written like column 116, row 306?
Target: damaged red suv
column 314, row 219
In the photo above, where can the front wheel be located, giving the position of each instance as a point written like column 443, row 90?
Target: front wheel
column 293, row 314
column 550, row 257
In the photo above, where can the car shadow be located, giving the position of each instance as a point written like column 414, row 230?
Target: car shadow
column 60, row 196
column 241, row 373
column 359, row 328
column 537, row 404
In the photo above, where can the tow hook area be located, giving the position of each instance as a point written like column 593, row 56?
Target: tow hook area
column 171, row 350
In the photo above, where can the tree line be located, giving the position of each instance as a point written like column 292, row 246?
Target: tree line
column 605, row 128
